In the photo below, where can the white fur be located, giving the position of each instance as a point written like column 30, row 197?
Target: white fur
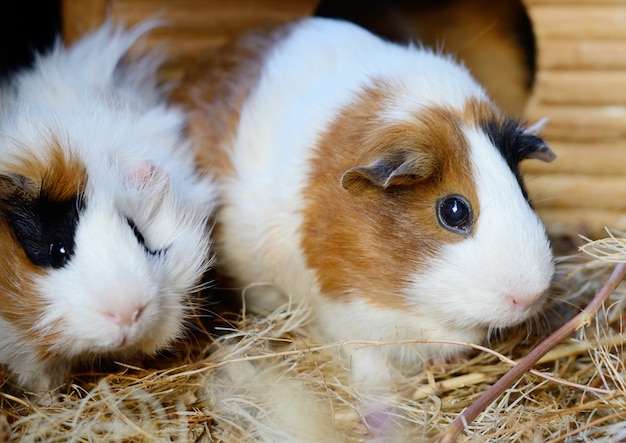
column 479, row 282
column 113, row 119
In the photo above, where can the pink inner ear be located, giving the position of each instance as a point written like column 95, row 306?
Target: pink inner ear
column 147, row 176
column 141, row 173
column 537, row 127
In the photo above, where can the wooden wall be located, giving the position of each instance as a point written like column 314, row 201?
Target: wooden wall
column 581, row 86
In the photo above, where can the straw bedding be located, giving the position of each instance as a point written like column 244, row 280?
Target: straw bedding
column 265, row 378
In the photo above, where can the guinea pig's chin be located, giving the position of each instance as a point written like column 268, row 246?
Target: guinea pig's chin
column 468, row 309
column 128, row 342
column 144, row 345
column 504, row 313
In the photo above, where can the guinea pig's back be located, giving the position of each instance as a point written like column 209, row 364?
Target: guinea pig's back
column 257, row 108
column 262, row 75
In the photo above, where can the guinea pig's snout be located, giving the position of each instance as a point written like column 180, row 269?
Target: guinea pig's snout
column 523, row 302
column 124, row 319
column 124, row 314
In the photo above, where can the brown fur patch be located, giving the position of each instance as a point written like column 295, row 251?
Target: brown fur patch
column 58, row 178
column 477, row 112
column 214, row 92
column 57, row 175
column 368, row 245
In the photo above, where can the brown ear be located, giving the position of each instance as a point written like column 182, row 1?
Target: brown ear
column 399, row 169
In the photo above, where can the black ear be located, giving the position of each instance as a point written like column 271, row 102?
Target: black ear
column 538, row 149
column 397, row 169
column 517, row 143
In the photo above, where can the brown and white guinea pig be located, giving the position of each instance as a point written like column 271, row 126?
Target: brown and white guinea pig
column 377, row 180
column 103, row 217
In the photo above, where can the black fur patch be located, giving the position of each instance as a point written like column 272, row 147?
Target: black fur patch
column 513, row 143
column 44, row 228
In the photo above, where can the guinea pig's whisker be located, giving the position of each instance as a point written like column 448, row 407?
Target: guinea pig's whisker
column 542, row 322
column 493, row 333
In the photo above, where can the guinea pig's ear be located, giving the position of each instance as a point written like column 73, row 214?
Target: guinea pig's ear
column 152, row 182
column 397, row 169
column 147, row 176
column 540, row 149
column 537, row 127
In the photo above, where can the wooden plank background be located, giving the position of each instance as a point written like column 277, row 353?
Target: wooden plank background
column 581, row 87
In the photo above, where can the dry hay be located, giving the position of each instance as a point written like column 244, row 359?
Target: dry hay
column 266, row 379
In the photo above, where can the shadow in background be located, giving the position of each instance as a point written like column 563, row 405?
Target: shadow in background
column 26, row 27
column 494, row 39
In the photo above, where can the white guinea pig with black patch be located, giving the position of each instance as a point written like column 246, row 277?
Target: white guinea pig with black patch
column 103, row 216
column 377, row 180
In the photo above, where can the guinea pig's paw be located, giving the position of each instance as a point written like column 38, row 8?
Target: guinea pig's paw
column 43, row 399
column 440, row 361
column 5, row 429
column 41, row 392
column 36, row 383
column 378, row 415
column 370, row 372
column 40, row 382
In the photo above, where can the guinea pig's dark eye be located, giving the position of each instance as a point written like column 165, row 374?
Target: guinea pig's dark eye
column 455, row 214
column 59, row 254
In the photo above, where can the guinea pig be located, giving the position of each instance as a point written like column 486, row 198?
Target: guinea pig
column 103, row 215
column 375, row 180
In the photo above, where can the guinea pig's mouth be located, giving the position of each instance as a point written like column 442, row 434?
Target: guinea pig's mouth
column 501, row 319
column 124, row 342
column 528, row 319
column 130, row 342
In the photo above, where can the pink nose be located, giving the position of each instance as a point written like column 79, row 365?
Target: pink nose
column 522, row 302
column 124, row 315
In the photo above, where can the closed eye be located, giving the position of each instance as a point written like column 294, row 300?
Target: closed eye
column 142, row 241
